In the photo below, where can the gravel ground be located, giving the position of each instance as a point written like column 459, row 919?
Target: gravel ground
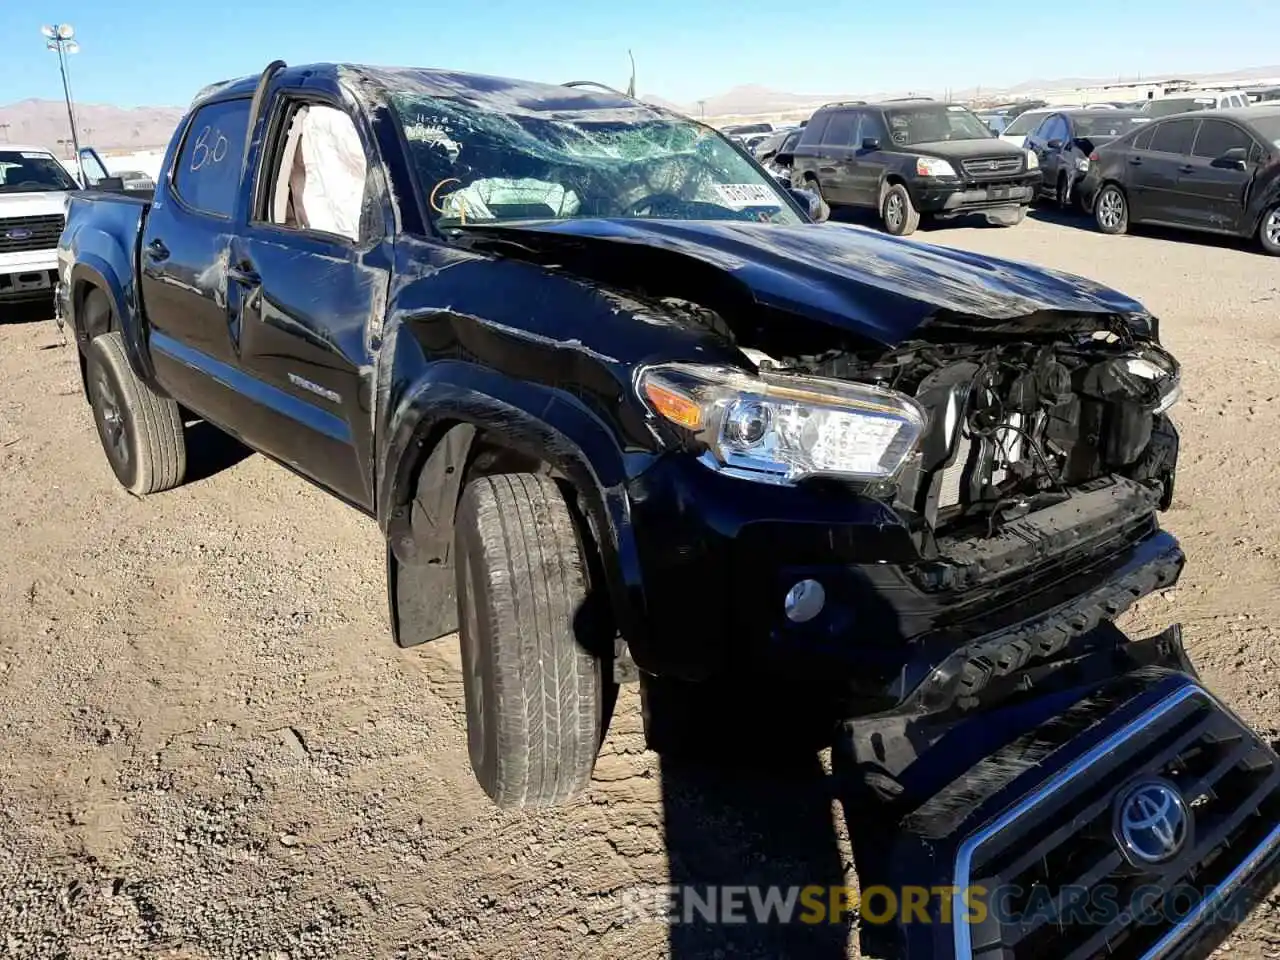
column 209, row 747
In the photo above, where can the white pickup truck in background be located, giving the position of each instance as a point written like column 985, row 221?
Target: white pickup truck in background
column 34, row 187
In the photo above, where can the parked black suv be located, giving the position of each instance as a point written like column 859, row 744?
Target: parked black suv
column 907, row 158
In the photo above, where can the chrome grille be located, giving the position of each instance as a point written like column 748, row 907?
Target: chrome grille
column 991, row 166
column 30, row 233
column 1064, row 849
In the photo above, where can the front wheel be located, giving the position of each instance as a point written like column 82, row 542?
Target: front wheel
column 1111, row 210
column 532, row 665
column 899, row 214
column 1269, row 232
column 141, row 432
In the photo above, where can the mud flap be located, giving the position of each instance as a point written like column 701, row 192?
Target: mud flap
column 1025, row 829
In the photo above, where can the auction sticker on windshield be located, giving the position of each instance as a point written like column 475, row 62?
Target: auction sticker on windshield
column 746, row 195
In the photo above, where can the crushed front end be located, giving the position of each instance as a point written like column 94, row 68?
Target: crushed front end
column 1023, row 515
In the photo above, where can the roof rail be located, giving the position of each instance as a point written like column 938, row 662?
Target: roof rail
column 904, row 99
column 592, row 83
column 844, row 103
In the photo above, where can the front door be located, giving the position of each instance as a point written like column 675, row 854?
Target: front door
column 309, row 280
column 834, row 169
column 184, row 257
column 1216, row 178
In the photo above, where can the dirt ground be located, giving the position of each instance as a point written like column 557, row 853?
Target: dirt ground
column 209, row 746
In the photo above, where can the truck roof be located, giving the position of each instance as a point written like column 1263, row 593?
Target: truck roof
column 26, row 148
column 503, row 94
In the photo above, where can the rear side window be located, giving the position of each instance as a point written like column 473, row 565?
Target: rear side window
column 1143, row 140
column 839, row 131
column 814, row 129
column 1174, row 136
column 1216, row 137
column 206, row 174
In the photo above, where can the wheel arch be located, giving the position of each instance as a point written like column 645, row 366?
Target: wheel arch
column 90, row 272
column 447, row 433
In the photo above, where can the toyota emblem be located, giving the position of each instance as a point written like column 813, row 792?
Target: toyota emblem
column 1152, row 822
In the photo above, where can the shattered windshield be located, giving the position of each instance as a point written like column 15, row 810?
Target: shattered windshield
column 484, row 166
column 932, row 124
column 23, row 171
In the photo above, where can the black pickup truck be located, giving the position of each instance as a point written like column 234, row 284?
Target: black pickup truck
column 624, row 410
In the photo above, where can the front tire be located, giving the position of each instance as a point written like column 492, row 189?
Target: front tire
column 1269, row 231
column 141, row 432
column 532, row 665
column 1111, row 210
column 899, row 214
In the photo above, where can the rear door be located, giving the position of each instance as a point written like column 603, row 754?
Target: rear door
column 1215, row 180
column 835, row 169
column 1155, row 172
column 184, row 257
column 309, row 275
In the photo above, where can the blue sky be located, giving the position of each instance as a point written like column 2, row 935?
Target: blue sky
column 161, row 53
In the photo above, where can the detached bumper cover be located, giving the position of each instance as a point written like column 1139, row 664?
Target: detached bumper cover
column 1030, row 847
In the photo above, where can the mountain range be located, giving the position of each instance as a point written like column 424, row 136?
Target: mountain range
column 116, row 129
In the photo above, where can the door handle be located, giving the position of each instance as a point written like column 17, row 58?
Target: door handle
column 1135, row 161
column 245, row 274
column 1186, row 168
column 157, row 251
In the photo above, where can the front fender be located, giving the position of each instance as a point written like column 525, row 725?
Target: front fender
column 562, row 432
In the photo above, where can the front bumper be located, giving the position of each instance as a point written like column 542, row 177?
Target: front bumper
column 954, row 197
column 29, row 275
column 719, row 555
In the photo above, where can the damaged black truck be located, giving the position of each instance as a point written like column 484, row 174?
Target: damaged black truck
column 624, row 410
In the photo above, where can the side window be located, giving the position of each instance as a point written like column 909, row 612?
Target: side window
column 318, row 174
column 839, row 132
column 1055, row 128
column 1174, row 136
column 1216, row 137
column 1143, row 140
column 873, row 127
column 206, row 175
column 814, row 129
column 855, row 138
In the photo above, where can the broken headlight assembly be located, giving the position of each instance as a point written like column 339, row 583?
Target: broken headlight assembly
column 782, row 429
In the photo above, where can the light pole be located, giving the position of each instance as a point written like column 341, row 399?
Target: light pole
column 58, row 38
column 5, row 128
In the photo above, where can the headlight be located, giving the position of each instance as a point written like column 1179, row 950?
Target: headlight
column 1163, row 374
column 1033, row 161
column 779, row 428
column 933, row 167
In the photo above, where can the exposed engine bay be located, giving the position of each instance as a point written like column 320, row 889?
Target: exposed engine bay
column 1014, row 425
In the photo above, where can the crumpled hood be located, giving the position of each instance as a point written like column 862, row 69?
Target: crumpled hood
column 879, row 287
column 35, row 204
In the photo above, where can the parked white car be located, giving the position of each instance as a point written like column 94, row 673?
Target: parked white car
column 1190, row 100
column 1024, row 123
column 34, row 185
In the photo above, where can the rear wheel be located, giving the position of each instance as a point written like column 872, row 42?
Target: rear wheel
column 141, row 432
column 1269, row 232
column 532, row 665
column 898, row 212
column 1111, row 210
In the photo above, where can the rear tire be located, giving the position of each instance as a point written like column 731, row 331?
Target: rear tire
column 1111, row 210
column 899, row 214
column 1269, row 231
column 532, row 664
column 141, row 432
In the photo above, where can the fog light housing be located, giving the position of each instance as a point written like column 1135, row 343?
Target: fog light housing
column 804, row 601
